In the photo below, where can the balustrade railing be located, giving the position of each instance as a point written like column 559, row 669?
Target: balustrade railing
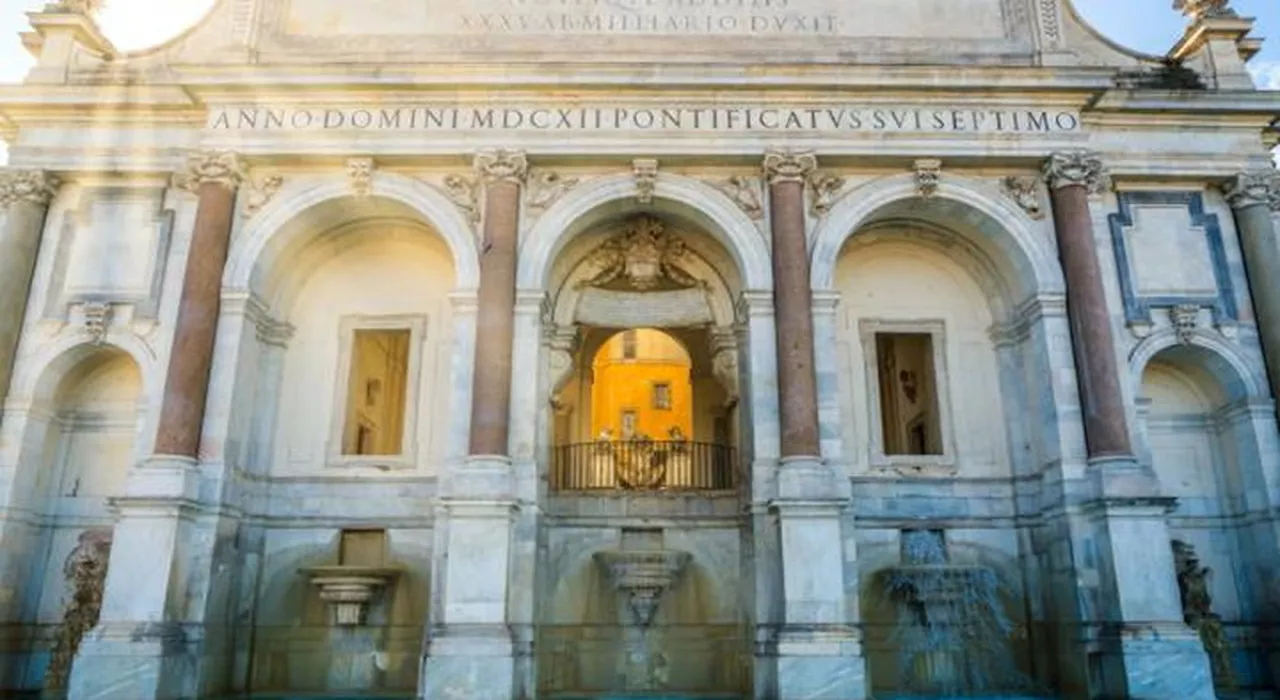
column 644, row 465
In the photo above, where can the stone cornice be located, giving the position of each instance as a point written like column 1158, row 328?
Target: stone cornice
column 502, row 165
column 224, row 168
column 30, row 186
column 1077, row 169
column 789, row 166
column 1253, row 188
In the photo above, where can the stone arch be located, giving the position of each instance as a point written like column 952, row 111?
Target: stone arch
column 1029, row 261
column 1239, row 377
column 41, row 381
column 269, row 234
column 592, row 202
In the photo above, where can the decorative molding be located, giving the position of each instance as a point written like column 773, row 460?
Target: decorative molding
column 360, row 173
column 1185, row 319
column 744, row 190
column 1025, row 190
column 1050, row 21
column 789, row 166
column 928, row 175
column 1077, row 168
column 1253, row 188
column 1137, row 309
column 546, row 187
column 501, row 165
column 97, row 319
column 259, row 194
column 224, row 168
column 824, row 190
column 464, row 192
column 645, row 172
column 29, row 186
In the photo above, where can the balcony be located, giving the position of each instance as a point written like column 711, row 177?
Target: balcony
column 645, row 466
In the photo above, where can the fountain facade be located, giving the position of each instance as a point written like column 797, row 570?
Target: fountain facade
column 951, row 631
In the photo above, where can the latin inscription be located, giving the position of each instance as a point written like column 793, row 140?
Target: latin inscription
column 833, row 118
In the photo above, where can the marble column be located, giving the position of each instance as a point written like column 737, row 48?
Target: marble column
column 470, row 651
column 24, row 204
column 1133, row 636
column 503, row 173
column 148, row 643
column 819, row 651
column 1072, row 177
column 1253, row 196
column 793, row 299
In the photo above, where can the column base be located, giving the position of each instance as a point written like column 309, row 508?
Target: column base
column 475, row 663
column 821, row 664
column 1157, row 665
column 144, row 661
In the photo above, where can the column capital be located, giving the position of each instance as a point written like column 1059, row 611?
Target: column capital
column 788, row 166
column 1077, row 169
column 224, row 168
column 1252, row 188
column 501, row 165
column 30, row 186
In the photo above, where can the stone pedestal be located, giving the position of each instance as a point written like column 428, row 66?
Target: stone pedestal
column 24, row 203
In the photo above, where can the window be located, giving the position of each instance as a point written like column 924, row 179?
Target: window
column 629, row 339
column 376, row 393
column 662, row 396
column 630, row 423
column 909, row 407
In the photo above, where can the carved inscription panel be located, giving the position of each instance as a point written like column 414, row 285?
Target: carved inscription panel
column 959, row 19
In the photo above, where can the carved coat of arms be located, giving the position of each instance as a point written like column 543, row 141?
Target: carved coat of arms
column 644, row 257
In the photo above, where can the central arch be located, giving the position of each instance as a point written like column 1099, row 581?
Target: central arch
column 598, row 200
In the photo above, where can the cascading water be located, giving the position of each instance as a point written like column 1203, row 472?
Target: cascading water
column 951, row 630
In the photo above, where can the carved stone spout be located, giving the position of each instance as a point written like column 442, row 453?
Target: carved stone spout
column 643, row 576
column 349, row 589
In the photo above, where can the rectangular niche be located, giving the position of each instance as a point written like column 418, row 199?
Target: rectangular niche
column 114, row 248
column 363, row 548
column 909, row 405
column 375, row 411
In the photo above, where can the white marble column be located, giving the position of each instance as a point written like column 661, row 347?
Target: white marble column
column 24, row 203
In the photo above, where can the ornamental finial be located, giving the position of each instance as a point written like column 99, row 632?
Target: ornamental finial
column 1204, row 9
column 88, row 8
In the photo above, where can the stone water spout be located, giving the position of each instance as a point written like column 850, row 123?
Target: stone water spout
column 643, row 576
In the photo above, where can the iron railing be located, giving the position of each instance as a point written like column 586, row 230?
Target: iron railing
column 644, row 465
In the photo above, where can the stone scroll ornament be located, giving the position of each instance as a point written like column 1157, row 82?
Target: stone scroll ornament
column 85, row 573
column 27, row 186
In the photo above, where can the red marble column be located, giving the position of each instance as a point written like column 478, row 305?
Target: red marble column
column 793, row 300
column 1072, row 177
column 214, row 177
column 503, row 173
column 24, row 199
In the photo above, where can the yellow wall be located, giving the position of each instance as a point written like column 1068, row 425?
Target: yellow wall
column 622, row 384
